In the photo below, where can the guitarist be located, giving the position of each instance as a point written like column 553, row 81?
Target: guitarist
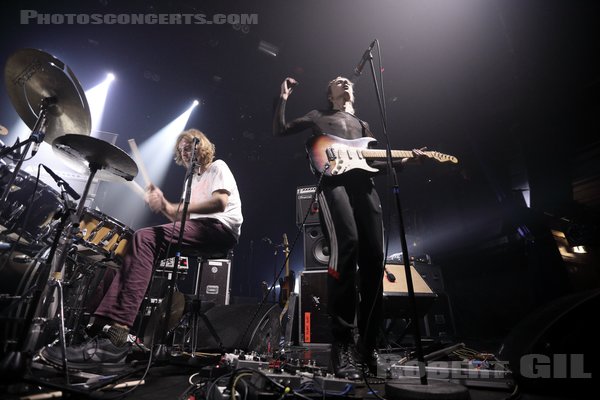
column 351, row 217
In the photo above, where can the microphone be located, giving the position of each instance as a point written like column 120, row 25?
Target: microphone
column 195, row 142
column 36, row 147
column 38, row 137
column 390, row 277
column 60, row 182
column 366, row 56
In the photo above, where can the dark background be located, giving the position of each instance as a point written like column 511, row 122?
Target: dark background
column 509, row 87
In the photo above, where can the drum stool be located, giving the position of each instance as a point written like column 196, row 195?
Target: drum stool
column 185, row 335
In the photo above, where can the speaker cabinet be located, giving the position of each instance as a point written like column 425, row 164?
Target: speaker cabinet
column 316, row 248
column 438, row 323
column 242, row 327
column 555, row 349
column 313, row 320
column 433, row 305
column 396, row 302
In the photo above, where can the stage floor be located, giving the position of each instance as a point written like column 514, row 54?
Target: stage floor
column 301, row 368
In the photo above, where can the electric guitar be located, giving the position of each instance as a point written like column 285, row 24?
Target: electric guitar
column 333, row 156
column 286, row 284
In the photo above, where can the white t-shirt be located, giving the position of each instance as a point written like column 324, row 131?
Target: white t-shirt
column 218, row 176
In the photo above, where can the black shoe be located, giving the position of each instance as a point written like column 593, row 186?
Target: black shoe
column 369, row 361
column 98, row 352
column 343, row 360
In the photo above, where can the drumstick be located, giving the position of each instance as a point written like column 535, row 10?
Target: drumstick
column 140, row 162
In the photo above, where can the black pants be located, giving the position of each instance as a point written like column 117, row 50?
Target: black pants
column 352, row 218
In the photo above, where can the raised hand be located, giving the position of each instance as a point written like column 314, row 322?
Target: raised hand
column 287, row 86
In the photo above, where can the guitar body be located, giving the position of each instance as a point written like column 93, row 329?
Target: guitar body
column 333, row 155
column 286, row 287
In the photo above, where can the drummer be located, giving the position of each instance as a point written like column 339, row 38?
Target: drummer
column 214, row 222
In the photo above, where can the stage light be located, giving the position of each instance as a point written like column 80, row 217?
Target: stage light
column 268, row 48
column 579, row 249
column 157, row 152
column 157, row 156
column 96, row 98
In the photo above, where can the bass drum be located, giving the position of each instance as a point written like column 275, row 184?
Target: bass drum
column 30, row 319
column 18, row 273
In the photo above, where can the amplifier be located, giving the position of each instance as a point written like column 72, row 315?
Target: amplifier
column 306, row 203
column 212, row 286
column 396, row 303
column 166, row 266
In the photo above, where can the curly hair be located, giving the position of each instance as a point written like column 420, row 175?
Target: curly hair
column 205, row 151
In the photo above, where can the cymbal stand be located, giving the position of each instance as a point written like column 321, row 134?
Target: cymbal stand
column 37, row 136
column 15, row 361
column 56, row 280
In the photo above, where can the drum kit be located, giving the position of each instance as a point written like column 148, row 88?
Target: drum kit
column 53, row 251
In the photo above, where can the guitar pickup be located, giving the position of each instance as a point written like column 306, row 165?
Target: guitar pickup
column 330, row 154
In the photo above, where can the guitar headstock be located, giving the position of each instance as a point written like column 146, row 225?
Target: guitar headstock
column 441, row 157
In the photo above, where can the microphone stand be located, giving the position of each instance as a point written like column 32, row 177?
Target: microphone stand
column 37, row 136
column 161, row 352
column 402, row 231
column 406, row 389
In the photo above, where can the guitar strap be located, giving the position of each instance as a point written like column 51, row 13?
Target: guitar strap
column 365, row 130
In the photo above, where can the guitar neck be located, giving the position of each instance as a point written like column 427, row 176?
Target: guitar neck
column 381, row 154
column 286, row 253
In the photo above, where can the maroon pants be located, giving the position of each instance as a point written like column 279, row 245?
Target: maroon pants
column 126, row 292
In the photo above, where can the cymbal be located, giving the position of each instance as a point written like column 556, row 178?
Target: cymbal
column 84, row 152
column 31, row 76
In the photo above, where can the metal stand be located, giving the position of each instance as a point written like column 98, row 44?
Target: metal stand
column 161, row 351
column 37, row 136
column 439, row 389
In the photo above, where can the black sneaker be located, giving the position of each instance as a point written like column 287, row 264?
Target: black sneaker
column 98, row 352
column 343, row 360
column 369, row 361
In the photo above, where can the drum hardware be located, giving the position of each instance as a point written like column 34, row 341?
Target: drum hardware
column 103, row 160
column 102, row 238
column 31, row 208
column 36, row 80
column 49, row 99
column 94, row 232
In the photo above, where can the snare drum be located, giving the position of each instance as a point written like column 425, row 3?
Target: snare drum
column 103, row 237
column 44, row 205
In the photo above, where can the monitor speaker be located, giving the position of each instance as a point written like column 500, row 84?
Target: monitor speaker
column 316, row 248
